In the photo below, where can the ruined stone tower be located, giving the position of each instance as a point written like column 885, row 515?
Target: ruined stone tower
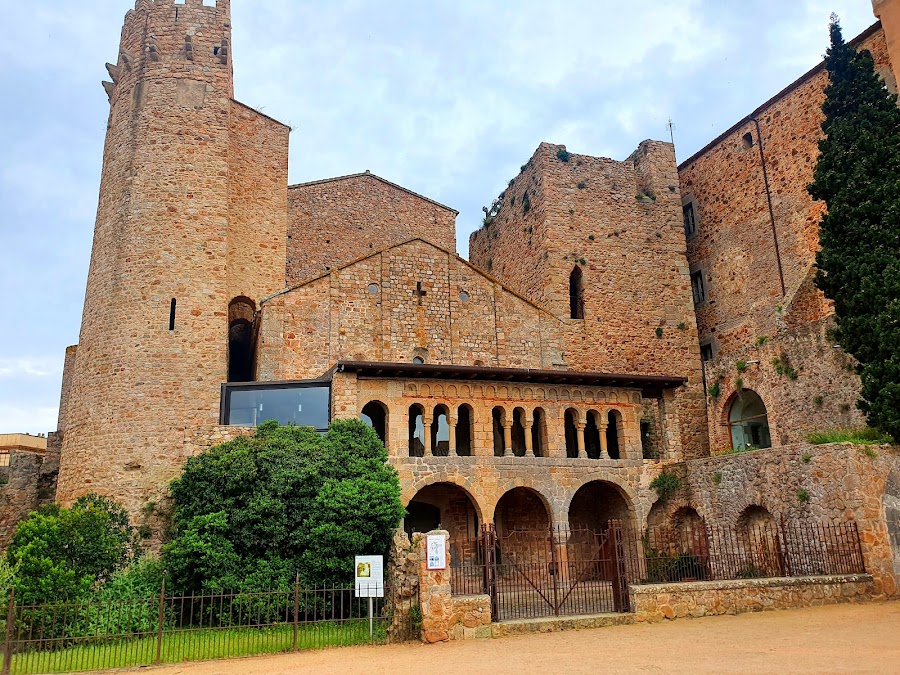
column 189, row 236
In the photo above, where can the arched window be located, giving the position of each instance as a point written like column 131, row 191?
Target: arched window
column 539, row 433
column 518, row 432
column 374, row 413
column 592, row 436
column 749, row 422
column 464, row 428
column 498, row 416
column 614, row 434
column 576, row 293
column 571, row 433
column 440, row 432
column 241, row 340
column 416, row 431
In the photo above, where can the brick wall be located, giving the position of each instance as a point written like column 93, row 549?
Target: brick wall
column 335, row 221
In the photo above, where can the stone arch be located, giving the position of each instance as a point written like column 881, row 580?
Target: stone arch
column 376, row 415
column 592, row 431
column 425, row 390
column 615, row 434
column 472, row 491
column 576, row 293
column 518, row 431
column 571, row 418
column 598, row 501
column 521, row 506
column 540, row 434
column 242, row 339
column 410, row 390
column 630, row 496
column 440, row 430
column 759, row 553
column 416, row 430
column 465, row 391
column 465, row 430
column 449, row 506
column 746, row 417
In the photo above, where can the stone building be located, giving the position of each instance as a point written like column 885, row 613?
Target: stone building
column 544, row 382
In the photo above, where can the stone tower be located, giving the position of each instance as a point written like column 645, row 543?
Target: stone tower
column 182, row 252
column 600, row 243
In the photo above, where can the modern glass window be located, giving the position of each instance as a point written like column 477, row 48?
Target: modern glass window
column 303, row 405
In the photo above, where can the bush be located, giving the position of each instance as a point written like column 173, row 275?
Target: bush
column 666, row 484
column 863, row 436
column 61, row 554
column 252, row 513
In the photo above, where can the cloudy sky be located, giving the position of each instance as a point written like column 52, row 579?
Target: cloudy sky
column 446, row 97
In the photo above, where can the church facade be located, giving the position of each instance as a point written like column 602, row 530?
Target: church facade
column 546, row 381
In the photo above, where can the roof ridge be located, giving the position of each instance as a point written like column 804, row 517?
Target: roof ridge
column 376, row 177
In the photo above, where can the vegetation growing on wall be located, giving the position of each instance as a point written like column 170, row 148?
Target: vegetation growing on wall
column 859, row 260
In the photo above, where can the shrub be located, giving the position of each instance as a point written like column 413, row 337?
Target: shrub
column 659, row 332
column 715, row 390
column 562, row 155
column 253, row 512
column 666, row 484
column 741, row 366
column 62, row 553
column 803, row 496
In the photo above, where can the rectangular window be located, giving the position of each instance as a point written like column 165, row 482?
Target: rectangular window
column 697, row 287
column 690, row 220
column 302, row 404
column 706, row 352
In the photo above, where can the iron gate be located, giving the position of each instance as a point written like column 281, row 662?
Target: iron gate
column 554, row 572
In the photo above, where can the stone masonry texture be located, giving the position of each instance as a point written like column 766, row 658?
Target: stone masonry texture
column 195, row 212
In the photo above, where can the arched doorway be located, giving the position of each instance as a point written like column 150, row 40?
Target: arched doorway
column 451, row 508
column 518, row 432
column 521, row 510
column 375, row 414
column 614, row 428
column 498, row 417
column 592, row 436
column 464, row 431
column 539, row 433
column 241, row 340
column 416, row 430
column 748, row 421
column 759, row 551
column 597, row 503
column 571, row 432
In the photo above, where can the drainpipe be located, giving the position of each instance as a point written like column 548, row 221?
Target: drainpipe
column 762, row 157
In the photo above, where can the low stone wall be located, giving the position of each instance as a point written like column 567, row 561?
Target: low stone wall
column 658, row 602
column 470, row 617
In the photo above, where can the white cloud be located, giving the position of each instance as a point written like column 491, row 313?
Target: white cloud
column 28, row 367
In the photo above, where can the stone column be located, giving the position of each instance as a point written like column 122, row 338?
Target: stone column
column 579, row 426
column 435, row 599
column 604, row 451
column 451, row 446
column 529, row 446
column 426, row 422
column 507, row 438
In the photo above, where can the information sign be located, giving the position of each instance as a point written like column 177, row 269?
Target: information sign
column 369, row 576
column 437, row 552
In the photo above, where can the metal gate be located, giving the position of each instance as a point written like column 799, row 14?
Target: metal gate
column 555, row 572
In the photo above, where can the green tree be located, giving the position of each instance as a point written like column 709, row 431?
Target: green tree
column 858, row 178
column 254, row 512
column 61, row 553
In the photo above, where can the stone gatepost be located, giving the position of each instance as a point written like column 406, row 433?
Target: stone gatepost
column 435, row 599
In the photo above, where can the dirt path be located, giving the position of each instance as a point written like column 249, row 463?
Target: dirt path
column 837, row 639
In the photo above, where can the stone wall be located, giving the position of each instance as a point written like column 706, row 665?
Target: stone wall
column 337, row 220
column 829, row 483
column 658, row 602
column 806, row 383
column 414, row 299
column 22, row 491
column 734, row 244
column 613, row 222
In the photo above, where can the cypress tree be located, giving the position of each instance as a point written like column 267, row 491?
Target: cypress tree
column 858, row 178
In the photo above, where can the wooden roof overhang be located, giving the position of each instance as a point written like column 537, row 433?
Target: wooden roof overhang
column 651, row 386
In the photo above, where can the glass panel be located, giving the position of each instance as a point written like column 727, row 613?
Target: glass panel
column 301, row 406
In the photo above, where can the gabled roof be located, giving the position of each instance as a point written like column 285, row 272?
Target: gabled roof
column 369, row 174
column 453, row 254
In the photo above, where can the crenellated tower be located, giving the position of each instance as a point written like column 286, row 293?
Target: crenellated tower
column 168, row 264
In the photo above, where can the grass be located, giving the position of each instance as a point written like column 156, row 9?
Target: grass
column 863, row 436
column 196, row 645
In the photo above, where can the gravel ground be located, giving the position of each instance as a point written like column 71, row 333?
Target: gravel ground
column 835, row 639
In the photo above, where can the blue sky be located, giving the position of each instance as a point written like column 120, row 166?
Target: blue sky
column 446, row 97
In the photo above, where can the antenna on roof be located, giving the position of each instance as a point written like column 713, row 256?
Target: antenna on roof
column 671, row 131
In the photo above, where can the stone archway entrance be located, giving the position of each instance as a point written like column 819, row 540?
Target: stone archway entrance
column 449, row 507
column 597, row 503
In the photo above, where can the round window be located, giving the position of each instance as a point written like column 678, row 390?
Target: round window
column 373, row 288
column 418, row 360
column 463, row 296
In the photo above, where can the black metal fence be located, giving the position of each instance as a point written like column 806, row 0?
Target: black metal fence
column 560, row 571
column 79, row 636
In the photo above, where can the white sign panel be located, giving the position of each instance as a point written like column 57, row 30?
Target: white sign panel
column 437, row 552
column 369, row 576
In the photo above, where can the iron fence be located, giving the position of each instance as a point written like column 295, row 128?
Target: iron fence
column 564, row 571
column 69, row 637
